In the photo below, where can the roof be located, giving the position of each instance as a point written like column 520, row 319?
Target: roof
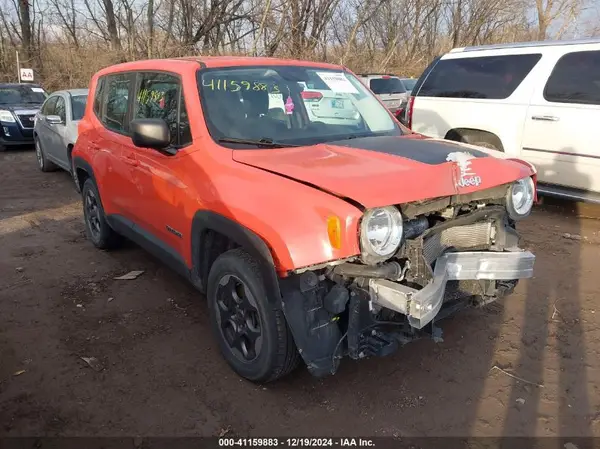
column 73, row 92
column 183, row 63
column 549, row 43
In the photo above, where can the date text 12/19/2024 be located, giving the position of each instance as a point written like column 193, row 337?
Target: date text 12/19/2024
column 296, row 442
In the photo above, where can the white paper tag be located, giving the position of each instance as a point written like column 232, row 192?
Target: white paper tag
column 38, row 89
column 337, row 82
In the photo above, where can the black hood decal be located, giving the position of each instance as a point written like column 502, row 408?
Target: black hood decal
column 421, row 150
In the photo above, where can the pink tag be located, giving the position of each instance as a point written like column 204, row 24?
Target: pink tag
column 289, row 106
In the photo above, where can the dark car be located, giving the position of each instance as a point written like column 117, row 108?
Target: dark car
column 19, row 103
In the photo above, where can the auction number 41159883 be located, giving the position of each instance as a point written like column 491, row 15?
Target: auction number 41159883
column 296, row 442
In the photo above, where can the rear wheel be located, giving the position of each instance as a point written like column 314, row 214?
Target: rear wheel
column 97, row 228
column 43, row 163
column 253, row 336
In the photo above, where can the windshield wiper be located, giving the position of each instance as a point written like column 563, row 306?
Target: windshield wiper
column 263, row 142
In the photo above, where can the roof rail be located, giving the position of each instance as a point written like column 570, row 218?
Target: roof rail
column 549, row 43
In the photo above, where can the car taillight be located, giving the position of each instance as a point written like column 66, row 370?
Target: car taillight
column 409, row 112
column 385, row 77
column 314, row 96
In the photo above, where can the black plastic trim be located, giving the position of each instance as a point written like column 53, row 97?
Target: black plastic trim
column 205, row 220
column 155, row 246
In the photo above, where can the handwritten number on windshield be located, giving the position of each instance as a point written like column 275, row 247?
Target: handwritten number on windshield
column 235, row 86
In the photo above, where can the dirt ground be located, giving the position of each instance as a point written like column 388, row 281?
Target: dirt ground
column 161, row 373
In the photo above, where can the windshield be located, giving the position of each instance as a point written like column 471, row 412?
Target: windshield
column 78, row 106
column 291, row 105
column 12, row 95
column 390, row 85
column 409, row 83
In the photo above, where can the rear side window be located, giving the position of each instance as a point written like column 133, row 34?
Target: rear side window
column 60, row 109
column 575, row 79
column 386, row 86
column 159, row 95
column 116, row 103
column 78, row 106
column 488, row 77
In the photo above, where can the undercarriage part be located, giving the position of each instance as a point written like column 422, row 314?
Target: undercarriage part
column 336, row 300
column 389, row 270
column 421, row 306
column 315, row 329
column 416, row 227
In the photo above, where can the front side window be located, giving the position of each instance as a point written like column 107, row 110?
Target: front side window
column 487, row 77
column 49, row 106
column 159, row 96
column 387, row 85
column 21, row 94
column 117, row 97
column 575, row 79
column 78, row 106
column 292, row 105
column 60, row 109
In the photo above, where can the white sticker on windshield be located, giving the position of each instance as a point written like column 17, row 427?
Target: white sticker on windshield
column 38, row 89
column 337, row 82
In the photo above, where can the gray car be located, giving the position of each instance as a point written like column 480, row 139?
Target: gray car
column 55, row 129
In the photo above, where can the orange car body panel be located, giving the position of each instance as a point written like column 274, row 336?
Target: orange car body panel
column 285, row 196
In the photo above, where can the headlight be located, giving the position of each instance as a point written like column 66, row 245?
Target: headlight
column 520, row 198
column 381, row 233
column 6, row 116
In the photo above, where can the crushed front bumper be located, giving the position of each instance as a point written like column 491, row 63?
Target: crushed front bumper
column 421, row 306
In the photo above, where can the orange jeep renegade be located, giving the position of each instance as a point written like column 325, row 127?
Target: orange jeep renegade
column 314, row 223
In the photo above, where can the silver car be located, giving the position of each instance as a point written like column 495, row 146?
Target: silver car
column 55, row 129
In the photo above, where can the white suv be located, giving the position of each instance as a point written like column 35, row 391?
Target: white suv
column 539, row 101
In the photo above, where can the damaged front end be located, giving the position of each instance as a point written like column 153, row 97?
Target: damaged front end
column 454, row 252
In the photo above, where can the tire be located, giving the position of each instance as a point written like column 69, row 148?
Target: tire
column 237, row 298
column 97, row 228
column 43, row 163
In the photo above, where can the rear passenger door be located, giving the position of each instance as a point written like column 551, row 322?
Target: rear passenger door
column 112, row 145
column 562, row 128
column 160, row 187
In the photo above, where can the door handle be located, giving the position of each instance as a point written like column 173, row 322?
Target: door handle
column 131, row 160
column 545, row 118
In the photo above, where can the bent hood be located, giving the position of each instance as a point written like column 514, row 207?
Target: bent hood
column 380, row 171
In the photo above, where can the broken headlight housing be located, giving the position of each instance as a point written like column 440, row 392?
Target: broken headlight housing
column 380, row 233
column 519, row 199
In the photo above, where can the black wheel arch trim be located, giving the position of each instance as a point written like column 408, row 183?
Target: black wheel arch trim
column 211, row 221
column 80, row 163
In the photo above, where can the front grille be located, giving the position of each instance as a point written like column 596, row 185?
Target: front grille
column 26, row 120
column 460, row 238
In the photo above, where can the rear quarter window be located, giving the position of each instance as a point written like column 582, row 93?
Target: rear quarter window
column 487, row 77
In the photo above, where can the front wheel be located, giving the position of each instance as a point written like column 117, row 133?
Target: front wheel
column 43, row 163
column 253, row 335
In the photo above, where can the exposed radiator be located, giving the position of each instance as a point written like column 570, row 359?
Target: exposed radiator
column 461, row 238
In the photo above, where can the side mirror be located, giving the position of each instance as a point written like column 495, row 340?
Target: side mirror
column 150, row 133
column 54, row 119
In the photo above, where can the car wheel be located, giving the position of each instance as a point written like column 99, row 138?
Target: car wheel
column 43, row 163
column 253, row 337
column 96, row 227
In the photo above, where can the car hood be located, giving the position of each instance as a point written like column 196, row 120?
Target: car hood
column 21, row 107
column 380, row 171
